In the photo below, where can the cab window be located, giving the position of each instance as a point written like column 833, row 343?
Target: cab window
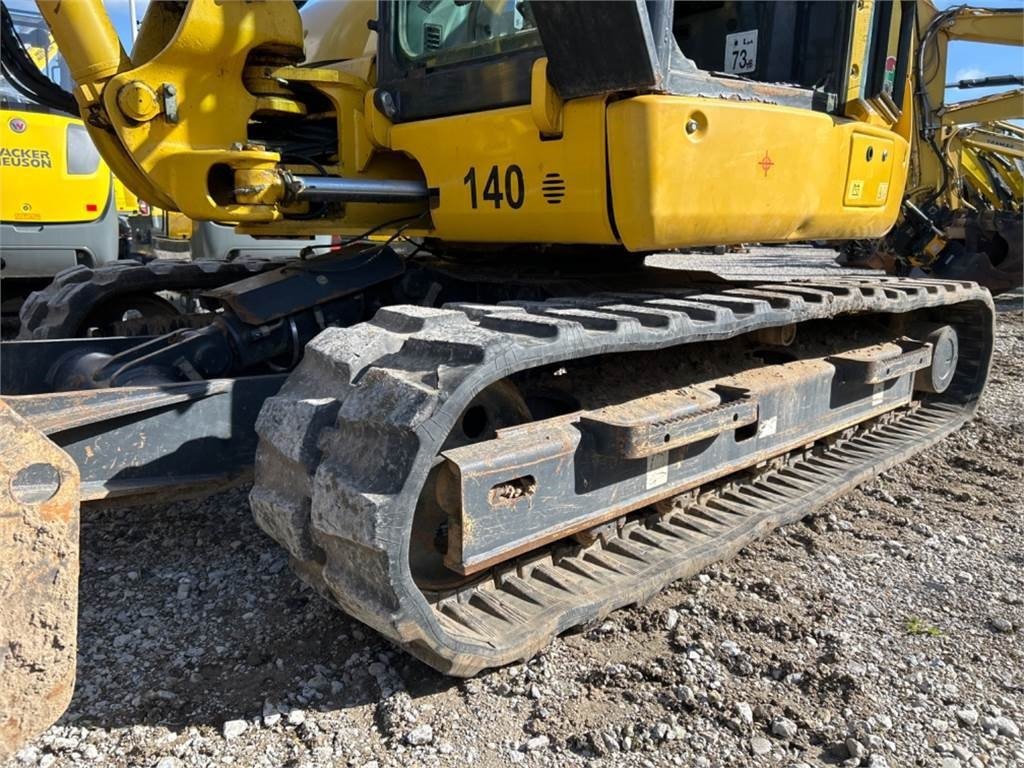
column 438, row 32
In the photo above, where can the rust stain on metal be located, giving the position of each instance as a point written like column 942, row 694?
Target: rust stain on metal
column 39, row 514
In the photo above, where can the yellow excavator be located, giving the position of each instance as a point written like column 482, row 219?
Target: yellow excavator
column 496, row 422
column 962, row 217
column 992, row 165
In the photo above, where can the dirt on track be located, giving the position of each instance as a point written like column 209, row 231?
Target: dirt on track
column 886, row 629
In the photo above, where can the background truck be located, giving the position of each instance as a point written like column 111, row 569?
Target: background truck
column 56, row 206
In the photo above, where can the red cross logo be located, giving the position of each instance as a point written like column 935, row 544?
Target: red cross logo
column 766, row 163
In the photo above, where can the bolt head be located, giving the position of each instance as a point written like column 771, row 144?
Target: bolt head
column 138, row 102
column 387, row 104
column 691, row 126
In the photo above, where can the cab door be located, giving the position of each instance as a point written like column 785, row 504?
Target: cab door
column 878, row 88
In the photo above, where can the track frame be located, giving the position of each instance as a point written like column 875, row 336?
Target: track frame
column 347, row 445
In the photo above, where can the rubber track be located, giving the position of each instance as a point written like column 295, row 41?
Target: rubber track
column 59, row 310
column 346, row 446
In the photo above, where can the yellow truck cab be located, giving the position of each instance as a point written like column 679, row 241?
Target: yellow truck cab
column 56, row 197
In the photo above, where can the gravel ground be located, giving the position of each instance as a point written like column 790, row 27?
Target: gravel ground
column 886, row 630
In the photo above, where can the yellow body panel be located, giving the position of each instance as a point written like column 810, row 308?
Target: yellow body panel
column 748, row 173
column 607, row 171
column 36, row 184
column 870, row 173
column 126, row 200
column 177, row 226
column 564, row 197
column 856, row 106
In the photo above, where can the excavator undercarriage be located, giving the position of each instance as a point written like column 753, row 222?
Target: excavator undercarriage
column 472, row 479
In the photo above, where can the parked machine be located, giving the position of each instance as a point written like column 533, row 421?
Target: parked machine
column 57, row 207
column 496, row 423
column 962, row 217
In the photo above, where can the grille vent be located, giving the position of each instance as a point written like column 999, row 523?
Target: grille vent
column 431, row 37
column 553, row 188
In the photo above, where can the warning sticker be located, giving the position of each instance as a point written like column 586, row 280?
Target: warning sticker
column 878, row 395
column 890, row 75
column 657, row 469
column 856, row 189
column 768, row 427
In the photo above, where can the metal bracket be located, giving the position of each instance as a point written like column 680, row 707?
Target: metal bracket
column 169, row 95
column 875, row 365
column 659, row 423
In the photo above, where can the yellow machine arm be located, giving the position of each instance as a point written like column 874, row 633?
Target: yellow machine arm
column 988, row 158
column 939, row 120
column 136, row 108
column 173, row 118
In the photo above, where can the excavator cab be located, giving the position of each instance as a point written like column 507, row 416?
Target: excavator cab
column 433, row 42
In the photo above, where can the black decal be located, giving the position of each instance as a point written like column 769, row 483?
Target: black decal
column 515, row 188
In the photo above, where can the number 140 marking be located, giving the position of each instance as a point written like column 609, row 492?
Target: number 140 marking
column 512, row 192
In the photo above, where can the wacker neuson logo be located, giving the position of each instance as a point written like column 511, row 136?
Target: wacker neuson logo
column 18, row 157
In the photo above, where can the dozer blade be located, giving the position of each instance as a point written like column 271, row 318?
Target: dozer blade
column 39, row 509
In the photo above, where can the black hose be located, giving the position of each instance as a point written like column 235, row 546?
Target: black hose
column 925, row 129
column 21, row 72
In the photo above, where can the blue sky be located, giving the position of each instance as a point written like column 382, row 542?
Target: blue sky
column 967, row 60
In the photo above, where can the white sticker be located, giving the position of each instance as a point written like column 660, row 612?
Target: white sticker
column 741, row 52
column 883, row 190
column 768, row 427
column 657, row 469
column 878, row 395
column 856, row 189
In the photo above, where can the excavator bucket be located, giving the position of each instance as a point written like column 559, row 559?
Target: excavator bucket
column 39, row 512
column 977, row 267
column 970, row 261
